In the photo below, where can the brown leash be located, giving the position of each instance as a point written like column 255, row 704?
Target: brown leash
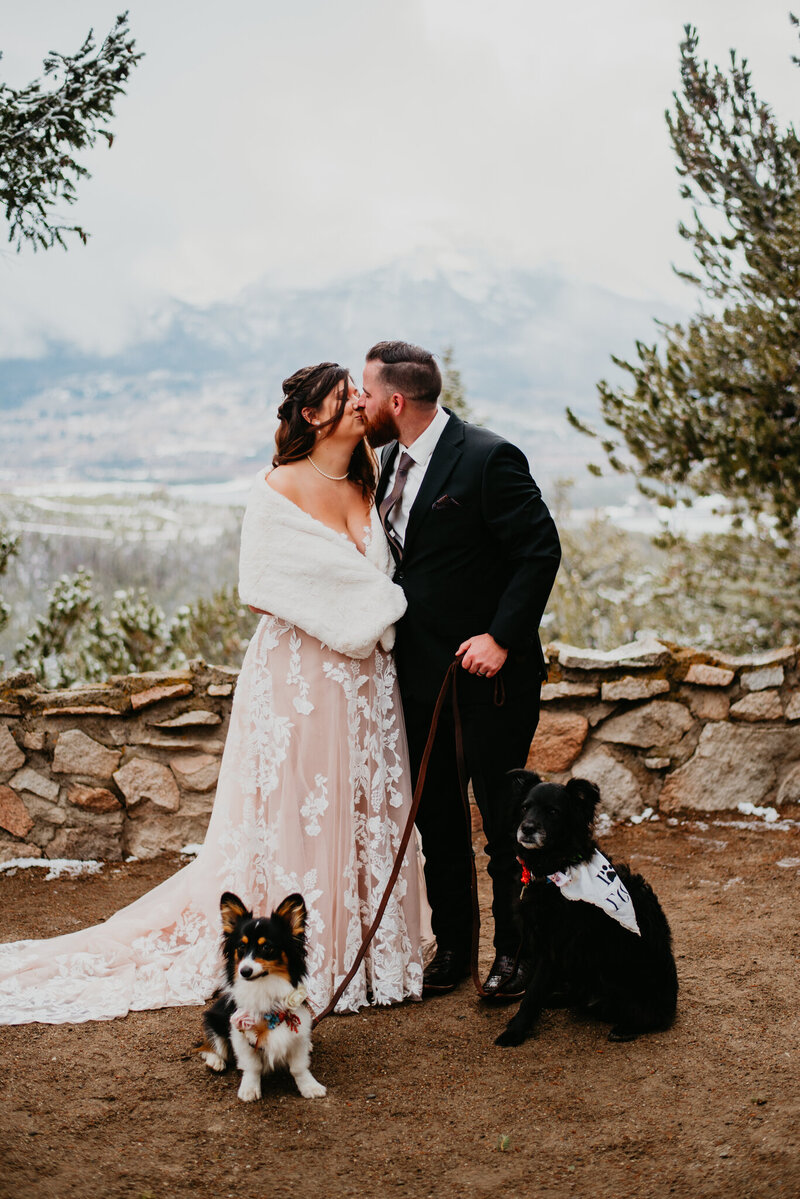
column 462, row 784
column 450, row 681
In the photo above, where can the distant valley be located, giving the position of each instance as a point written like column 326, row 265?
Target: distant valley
column 194, row 401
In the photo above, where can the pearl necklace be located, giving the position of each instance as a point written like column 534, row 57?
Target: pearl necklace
column 333, row 478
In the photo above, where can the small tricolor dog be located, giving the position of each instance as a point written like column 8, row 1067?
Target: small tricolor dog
column 260, row 1017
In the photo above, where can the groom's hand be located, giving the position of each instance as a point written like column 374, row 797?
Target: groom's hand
column 482, row 655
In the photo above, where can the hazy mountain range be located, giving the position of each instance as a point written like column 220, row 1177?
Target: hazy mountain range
column 194, row 400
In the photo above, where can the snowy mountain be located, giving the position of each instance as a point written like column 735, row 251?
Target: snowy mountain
column 193, row 402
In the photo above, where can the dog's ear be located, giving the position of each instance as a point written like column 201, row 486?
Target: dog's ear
column 293, row 911
column 586, row 794
column 233, row 910
column 520, row 781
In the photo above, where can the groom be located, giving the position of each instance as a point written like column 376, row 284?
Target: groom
column 477, row 554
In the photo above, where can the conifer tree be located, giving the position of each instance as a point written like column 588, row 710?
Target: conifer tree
column 44, row 128
column 715, row 407
column 9, row 546
column 140, row 634
column 70, row 640
column 216, row 629
column 453, row 391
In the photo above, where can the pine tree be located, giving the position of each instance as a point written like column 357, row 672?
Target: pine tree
column 141, row 637
column 43, row 129
column 9, row 546
column 215, row 629
column 75, row 639
column 453, row 391
column 735, row 591
column 715, row 407
column 71, row 640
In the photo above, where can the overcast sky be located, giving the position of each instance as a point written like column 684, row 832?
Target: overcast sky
column 297, row 141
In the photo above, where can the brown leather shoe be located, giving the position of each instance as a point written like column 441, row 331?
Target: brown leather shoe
column 445, row 972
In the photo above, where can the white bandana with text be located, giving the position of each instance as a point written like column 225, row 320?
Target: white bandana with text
column 597, row 882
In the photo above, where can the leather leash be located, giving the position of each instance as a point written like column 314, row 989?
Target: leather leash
column 450, row 681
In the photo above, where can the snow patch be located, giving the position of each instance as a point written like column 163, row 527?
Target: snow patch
column 753, row 826
column 770, row 815
column 56, row 867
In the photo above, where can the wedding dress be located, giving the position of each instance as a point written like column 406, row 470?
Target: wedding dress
column 313, row 795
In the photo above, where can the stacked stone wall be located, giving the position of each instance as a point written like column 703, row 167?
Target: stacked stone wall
column 672, row 729
column 129, row 766
column 114, row 769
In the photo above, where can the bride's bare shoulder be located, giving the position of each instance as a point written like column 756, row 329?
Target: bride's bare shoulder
column 286, row 480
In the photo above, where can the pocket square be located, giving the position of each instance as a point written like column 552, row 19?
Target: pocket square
column 445, row 501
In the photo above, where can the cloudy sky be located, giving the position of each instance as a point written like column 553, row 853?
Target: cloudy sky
column 296, row 142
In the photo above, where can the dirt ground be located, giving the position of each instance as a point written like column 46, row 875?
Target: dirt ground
column 420, row 1102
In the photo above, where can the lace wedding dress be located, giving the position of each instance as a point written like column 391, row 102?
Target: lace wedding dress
column 313, row 795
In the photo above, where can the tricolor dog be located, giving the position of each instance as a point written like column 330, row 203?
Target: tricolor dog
column 594, row 934
column 260, row 1017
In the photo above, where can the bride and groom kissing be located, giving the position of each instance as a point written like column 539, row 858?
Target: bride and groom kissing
column 474, row 554
column 370, row 579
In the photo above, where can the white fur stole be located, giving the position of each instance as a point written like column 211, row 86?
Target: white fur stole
column 295, row 567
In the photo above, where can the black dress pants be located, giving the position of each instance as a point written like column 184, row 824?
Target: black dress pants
column 496, row 740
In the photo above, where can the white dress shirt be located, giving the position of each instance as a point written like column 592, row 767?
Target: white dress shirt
column 421, row 451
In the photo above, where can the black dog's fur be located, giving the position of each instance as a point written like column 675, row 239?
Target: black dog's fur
column 579, row 955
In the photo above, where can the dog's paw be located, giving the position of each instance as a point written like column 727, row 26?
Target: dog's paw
column 622, row 1034
column 214, row 1061
column 249, row 1089
column 510, row 1037
column 309, row 1088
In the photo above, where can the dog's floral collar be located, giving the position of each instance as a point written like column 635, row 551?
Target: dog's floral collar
column 246, row 1021
column 290, row 1019
column 296, row 998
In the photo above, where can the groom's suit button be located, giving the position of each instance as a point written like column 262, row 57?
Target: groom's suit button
column 400, row 575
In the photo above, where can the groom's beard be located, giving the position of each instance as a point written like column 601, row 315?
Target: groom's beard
column 382, row 428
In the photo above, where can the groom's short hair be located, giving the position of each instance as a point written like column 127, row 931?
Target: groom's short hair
column 409, row 370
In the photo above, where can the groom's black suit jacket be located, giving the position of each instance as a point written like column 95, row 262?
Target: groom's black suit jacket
column 480, row 555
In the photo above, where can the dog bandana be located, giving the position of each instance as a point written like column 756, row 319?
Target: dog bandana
column 597, row 882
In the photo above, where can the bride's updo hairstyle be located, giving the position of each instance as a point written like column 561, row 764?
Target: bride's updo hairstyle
column 296, row 438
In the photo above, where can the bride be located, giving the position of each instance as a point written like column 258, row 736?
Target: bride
column 314, row 787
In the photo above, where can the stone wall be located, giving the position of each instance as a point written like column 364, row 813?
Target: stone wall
column 108, row 770
column 129, row 766
column 672, row 729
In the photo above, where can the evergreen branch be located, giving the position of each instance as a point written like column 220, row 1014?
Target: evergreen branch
column 43, row 129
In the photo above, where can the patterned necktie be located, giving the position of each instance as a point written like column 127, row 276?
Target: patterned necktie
column 388, row 502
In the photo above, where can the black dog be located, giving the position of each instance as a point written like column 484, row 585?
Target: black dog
column 581, row 954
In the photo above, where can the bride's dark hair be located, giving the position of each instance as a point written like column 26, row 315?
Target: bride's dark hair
column 296, row 438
